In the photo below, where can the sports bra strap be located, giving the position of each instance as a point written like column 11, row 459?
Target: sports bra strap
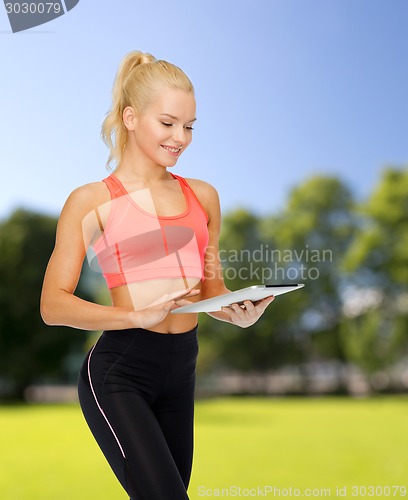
column 115, row 189
column 191, row 190
column 181, row 179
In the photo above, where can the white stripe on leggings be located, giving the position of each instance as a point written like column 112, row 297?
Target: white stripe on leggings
column 100, row 409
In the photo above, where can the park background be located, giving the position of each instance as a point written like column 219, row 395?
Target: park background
column 301, row 127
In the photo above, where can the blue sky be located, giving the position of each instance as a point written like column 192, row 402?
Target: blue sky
column 285, row 89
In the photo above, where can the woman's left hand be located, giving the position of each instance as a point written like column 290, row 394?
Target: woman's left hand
column 247, row 314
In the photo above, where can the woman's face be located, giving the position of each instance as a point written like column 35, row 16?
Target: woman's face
column 164, row 129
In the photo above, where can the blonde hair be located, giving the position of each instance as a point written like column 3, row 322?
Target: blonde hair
column 138, row 76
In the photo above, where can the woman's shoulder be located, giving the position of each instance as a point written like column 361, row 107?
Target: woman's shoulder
column 207, row 195
column 88, row 196
column 202, row 188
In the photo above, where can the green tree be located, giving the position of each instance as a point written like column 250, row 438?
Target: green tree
column 379, row 253
column 267, row 344
column 310, row 237
column 30, row 351
column 375, row 332
column 305, row 242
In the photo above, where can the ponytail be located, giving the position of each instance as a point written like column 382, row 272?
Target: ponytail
column 138, row 75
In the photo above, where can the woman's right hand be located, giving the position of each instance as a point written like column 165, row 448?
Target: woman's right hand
column 160, row 308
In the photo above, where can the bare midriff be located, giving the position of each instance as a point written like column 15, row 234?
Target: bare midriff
column 142, row 294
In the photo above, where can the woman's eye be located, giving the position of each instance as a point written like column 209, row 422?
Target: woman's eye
column 170, row 125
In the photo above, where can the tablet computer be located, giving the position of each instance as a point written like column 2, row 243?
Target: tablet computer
column 252, row 293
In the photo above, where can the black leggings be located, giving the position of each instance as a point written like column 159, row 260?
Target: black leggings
column 136, row 390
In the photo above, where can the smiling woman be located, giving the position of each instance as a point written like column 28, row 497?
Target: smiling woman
column 153, row 132
column 155, row 236
column 139, row 80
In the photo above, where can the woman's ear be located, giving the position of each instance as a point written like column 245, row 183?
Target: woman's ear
column 129, row 118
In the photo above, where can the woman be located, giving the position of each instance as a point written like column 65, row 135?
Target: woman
column 155, row 236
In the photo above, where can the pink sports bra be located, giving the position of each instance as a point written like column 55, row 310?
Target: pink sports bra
column 137, row 245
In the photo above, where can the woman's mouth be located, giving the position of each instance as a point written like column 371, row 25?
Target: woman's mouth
column 171, row 150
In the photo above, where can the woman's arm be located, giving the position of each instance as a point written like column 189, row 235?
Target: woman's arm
column 214, row 285
column 59, row 305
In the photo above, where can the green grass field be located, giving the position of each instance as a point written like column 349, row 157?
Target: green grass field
column 244, row 447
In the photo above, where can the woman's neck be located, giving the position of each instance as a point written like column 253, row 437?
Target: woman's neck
column 136, row 169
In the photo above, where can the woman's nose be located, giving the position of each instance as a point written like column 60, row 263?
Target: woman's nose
column 179, row 135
